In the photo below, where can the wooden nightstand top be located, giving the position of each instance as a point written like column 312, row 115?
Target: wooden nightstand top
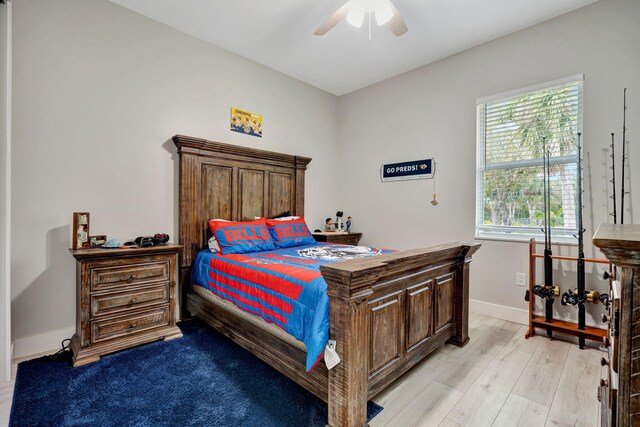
column 344, row 238
column 91, row 253
column 335, row 233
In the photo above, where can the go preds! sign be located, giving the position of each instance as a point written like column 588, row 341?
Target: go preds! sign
column 417, row 169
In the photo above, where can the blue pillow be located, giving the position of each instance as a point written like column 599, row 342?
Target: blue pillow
column 242, row 237
column 290, row 233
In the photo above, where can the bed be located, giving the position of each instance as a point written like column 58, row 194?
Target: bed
column 386, row 312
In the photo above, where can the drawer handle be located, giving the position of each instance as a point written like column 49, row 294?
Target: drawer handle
column 133, row 325
column 604, row 383
column 133, row 301
column 131, row 278
column 604, row 362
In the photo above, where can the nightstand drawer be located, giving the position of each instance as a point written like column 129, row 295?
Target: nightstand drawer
column 115, row 302
column 130, row 324
column 104, row 278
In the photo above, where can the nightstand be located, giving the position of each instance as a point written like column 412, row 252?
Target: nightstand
column 344, row 238
column 125, row 297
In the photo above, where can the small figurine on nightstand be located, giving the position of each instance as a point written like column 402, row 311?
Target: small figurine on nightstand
column 348, row 224
column 328, row 225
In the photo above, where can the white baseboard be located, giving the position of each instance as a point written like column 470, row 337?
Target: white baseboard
column 517, row 315
column 10, row 373
column 42, row 343
column 502, row 312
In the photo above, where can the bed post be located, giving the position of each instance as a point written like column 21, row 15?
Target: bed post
column 350, row 327
column 374, row 313
column 461, row 302
column 301, row 167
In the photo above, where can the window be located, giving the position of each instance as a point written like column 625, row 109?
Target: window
column 509, row 180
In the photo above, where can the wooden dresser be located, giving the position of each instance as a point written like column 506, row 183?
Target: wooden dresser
column 125, row 297
column 344, row 238
column 619, row 391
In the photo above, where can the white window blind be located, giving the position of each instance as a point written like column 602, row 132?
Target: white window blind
column 511, row 128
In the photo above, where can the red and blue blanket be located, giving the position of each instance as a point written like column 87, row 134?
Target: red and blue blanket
column 283, row 287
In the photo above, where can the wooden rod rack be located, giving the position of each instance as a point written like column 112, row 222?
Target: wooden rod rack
column 572, row 258
column 556, row 325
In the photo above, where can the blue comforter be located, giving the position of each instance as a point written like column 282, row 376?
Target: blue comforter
column 283, row 287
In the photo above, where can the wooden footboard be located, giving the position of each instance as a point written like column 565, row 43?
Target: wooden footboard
column 389, row 312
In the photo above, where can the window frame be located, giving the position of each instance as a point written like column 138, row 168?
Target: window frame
column 564, row 236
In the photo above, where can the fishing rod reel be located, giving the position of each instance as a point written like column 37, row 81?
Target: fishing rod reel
column 572, row 297
column 546, row 292
column 540, row 291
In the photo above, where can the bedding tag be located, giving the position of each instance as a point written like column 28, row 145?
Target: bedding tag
column 331, row 358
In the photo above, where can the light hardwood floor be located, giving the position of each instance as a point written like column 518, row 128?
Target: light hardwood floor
column 498, row 379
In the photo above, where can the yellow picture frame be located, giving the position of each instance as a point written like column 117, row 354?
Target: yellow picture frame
column 246, row 122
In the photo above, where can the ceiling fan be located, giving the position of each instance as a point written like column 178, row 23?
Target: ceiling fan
column 355, row 12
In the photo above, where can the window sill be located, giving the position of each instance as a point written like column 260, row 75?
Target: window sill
column 524, row 239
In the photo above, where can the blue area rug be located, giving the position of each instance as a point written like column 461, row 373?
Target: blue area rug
column 201, row 379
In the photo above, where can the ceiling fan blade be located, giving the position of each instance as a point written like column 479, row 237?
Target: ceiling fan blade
column 396, row 24
column 334, row 19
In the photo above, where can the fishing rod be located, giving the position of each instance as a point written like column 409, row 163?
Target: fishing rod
column 613, row 178
column 580, row 270
column 580, row 296
column 548, row 266
column 548, row 290
column 541, row 290
column 547, row 244
column 624, row 142
column 606, row 275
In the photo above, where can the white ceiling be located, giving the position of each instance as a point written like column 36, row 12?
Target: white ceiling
column 279, row 33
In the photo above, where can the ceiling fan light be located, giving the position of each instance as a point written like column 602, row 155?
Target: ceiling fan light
column 383, row 13
column 355, row 17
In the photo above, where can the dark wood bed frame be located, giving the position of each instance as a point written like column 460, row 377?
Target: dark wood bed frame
column 386, row 313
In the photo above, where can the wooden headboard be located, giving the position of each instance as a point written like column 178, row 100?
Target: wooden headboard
column 234, row 183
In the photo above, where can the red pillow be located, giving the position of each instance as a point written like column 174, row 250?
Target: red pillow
column 293, row 232
column 242, row 237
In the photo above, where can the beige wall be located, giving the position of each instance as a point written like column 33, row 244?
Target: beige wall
column 430, row 112
column 5, row 179
column 98, row 93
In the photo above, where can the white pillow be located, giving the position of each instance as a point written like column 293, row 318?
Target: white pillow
column 213, row 243
column 284, row 218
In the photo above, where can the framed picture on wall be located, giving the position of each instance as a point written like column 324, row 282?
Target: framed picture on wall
column 80, row 230
column 246, row 122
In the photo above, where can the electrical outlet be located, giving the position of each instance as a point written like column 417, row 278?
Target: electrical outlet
column 521, row 279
